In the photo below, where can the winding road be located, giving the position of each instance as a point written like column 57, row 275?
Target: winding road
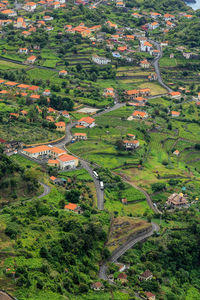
column 122, row 249
column 156, row 65
column 46, row 191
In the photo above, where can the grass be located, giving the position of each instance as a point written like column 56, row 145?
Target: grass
column 167, row 62
column 27, row 133
column 82, row 175
column 42, row 74
column 6, row 65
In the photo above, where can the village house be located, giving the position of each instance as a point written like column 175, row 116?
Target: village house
column 73, row 207
column 20, row 23
column 133, row 94
column 121, row 267
column 176, row 152
column 170, row 24
column 147, row 275
column 87, row 122
column 168, row 17
column 139, row 115
column 63, row 73
column 131, row 136
column 109, row 92
column 155, row 15
column 139, row 101
column 153, row 25
column 80, row 136
column 177, row 200
column 67, row 161
column 136, row 15
column 65, row 114
column 163, row 44
column 131, row 144
column 175, row 113
column 31, row 59
column 145, row 64
column 46, row 92
column 60, row 126
column 122, row 277
column 150, row 296
column 30, row 6
column 9, row 12
column 97, row 286
column 146, row 46
column 100, row 60
column 120, row 4
column 175, row 95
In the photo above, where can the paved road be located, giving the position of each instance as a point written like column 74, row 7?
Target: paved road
column 99, row 192
column 46, row 191
column 124, row 248
column 156, row 65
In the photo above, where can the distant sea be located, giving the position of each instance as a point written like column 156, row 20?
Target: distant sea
column 195, row 6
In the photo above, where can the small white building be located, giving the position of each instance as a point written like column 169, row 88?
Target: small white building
column 67, row 161
column 23, row 50
column 80, row 136
column 87, row 122
column 146, row 46
column 30, row 6
column 131, row 144
column 100, row 60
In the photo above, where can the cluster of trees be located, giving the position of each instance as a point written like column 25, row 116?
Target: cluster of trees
column 69, row 247
column 14, row 178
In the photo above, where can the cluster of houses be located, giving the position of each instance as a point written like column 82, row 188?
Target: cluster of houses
column 123, row 280
column 56, row 157
column 14, row 88
column 137, row 97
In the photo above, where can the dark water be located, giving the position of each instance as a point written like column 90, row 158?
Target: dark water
column 195, row 6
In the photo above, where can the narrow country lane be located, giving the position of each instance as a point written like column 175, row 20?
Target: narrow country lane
column 122, row 249
column 46, row 191
column 156, row 65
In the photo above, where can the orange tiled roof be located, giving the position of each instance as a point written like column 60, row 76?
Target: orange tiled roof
column 37, row 149
column 88, row 120
column 67, row 157
column 71, row 206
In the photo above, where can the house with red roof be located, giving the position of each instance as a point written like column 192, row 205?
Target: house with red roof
column 73, row 207
column 175, row 95
column 87, row 122
column 31, row 59
column 139, row 115
column 175, row 113
column 79, row 136
column 131, row 144
column 60, row 126
column 97, row 286
column 150, row 296
column 30, row 6
column 67, row 161
column 122, row 277
column 63, row 73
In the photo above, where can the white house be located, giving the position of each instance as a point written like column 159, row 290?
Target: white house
column 67, row 161
column 37, row 151
column 80, row 136
column 153, row 25
column 131, row 144
column 146, row 46
column 100, row 60
column 30, row 6
column 23, row 50
column 87, row 122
